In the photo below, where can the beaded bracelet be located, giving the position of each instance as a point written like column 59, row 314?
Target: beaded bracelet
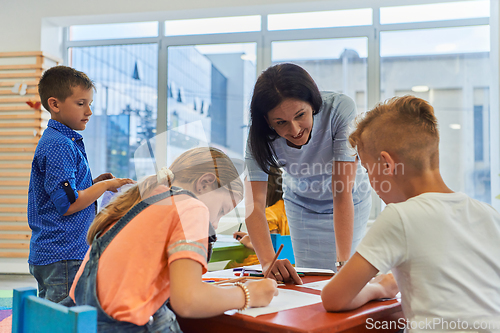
column 247, row 295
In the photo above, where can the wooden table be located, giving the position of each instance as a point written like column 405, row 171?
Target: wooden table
column 311, row 318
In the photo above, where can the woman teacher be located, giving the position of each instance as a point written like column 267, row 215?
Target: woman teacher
column 327, row 195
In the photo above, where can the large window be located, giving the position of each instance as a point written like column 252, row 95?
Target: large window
column 193, row 78
column 338, row 64
column 208, row 92
column 435, row 12
column 125, row 103
column 320, row 19
column 449, row 68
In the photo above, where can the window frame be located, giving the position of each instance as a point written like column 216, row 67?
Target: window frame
column 264, row 38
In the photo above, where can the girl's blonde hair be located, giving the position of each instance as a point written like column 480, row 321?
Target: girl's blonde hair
column 187, row 168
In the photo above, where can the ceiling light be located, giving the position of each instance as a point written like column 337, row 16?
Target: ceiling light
column 249, row 57
column 420, row 88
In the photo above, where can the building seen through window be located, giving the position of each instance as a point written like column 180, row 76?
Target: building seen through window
column 124, row 107
column 209, row 87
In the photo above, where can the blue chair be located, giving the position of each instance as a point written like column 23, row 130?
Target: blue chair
column 34, row 314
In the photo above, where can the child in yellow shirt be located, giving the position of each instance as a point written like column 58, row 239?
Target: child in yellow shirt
column 275, row 215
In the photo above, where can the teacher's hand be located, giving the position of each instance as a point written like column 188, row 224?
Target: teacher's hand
column 283, row 271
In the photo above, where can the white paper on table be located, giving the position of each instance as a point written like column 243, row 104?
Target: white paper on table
column 318, row 285
column 229, row 273
column 227, row 239
column 287, row 299
column 258, row 267
column 313, row 270
column 222, row 274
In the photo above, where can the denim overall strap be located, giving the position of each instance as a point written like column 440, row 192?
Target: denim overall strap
column 86, row 291
column 103, row 242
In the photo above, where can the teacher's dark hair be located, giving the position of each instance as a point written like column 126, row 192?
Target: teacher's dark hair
column 273, row 86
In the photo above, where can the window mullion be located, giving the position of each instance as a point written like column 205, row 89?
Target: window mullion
column 495, row 104
column 161, row 120
column 434, row 24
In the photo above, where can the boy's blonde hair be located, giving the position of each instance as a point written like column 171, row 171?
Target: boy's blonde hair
column 405, row 126
column 187, row 168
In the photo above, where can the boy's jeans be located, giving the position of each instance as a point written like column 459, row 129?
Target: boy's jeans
column 55, row 280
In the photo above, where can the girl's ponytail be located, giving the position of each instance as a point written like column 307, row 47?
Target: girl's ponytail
column 120, row 205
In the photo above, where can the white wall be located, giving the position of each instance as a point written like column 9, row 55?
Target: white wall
column 32, row 25
column 494, row 100
column 21, row 21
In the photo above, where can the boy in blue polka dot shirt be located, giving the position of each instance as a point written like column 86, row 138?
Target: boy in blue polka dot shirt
column 62, row 193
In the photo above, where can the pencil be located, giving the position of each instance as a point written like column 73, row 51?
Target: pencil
column 232, row 280
column 249, row 274
column 241, row 278
column 239, row 229
column 273, row 262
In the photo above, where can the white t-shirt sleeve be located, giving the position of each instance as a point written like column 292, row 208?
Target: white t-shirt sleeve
column 385, row 246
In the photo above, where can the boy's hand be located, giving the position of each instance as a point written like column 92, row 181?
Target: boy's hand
column 115, row 183
column 389, row 287
column 104, row 176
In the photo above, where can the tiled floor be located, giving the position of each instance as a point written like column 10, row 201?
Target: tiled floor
column 11, row 281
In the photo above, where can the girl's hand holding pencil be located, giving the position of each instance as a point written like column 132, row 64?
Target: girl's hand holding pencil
column 261, row 291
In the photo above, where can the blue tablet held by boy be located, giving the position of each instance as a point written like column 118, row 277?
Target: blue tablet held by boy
column 62, row 193
column 443, row 247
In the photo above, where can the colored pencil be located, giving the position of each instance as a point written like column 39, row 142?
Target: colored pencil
column 241, row 278
column 250, row 274
column 273, row 262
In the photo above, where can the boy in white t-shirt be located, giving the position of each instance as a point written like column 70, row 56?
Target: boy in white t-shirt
column 443, row 247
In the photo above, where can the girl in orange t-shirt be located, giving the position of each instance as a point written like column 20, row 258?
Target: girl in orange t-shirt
column 149, row 246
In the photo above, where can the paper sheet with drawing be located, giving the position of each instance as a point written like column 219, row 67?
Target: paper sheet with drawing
column 319, row 285
column 287, row 299
column 258, row 267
